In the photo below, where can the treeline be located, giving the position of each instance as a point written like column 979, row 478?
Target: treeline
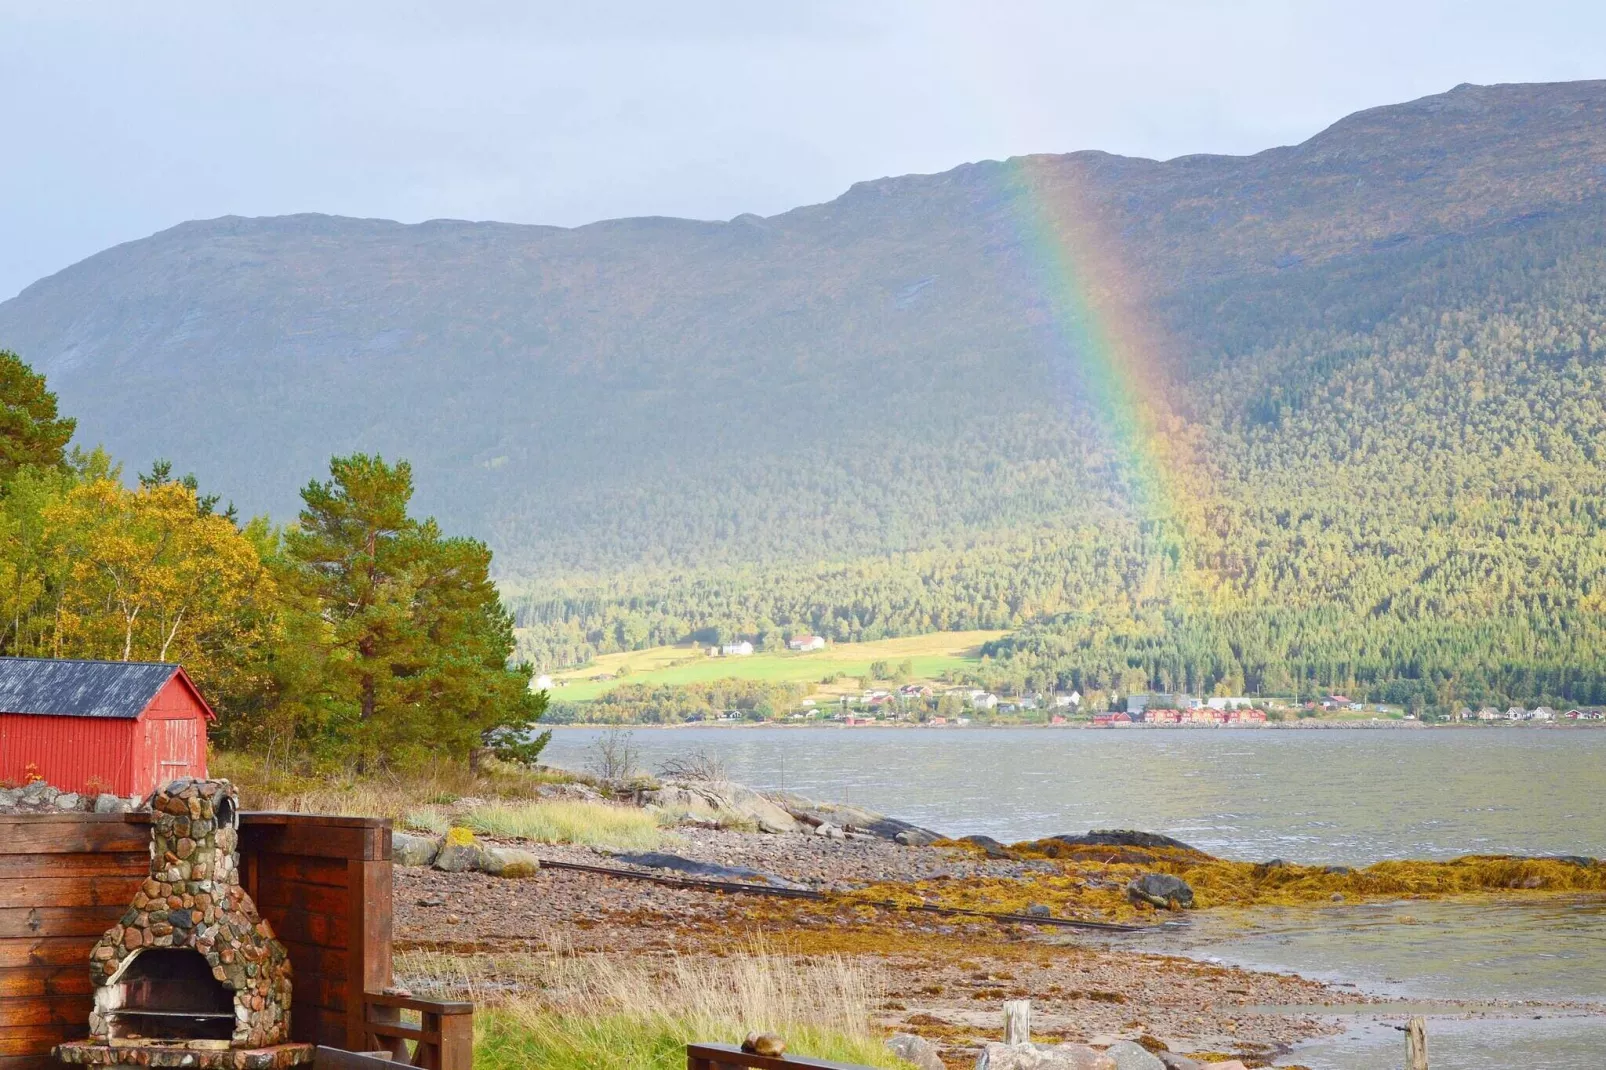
column 996, row 583
column 1402, row 498
column 359, row 634
column 750, row 700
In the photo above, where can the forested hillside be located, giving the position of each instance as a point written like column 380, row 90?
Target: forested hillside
column 1327, row 412
column 1409, row 504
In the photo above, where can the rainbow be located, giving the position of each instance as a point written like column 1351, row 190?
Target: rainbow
column 1094, row 311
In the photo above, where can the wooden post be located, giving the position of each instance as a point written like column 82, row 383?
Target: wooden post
column 1416, row 1044
column 1018, row 1021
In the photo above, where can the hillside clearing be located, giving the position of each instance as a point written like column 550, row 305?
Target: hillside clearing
column 932, row 654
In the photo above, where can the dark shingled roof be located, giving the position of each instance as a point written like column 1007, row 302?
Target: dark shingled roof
column 120, row 689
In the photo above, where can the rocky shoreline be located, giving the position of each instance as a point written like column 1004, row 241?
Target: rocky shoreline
column 947, row 977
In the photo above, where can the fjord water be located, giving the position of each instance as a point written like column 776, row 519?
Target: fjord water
column 1341, row 796
column 1350, row 796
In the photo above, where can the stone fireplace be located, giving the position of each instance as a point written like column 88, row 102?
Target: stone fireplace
column 191, row 967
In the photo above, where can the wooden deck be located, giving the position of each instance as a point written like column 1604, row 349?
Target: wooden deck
column 322, row 882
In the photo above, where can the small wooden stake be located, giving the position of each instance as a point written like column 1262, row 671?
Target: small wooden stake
column 1416, row 1044
column 1018, row 1021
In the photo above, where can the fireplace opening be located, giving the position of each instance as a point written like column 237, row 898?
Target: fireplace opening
column 168, row 995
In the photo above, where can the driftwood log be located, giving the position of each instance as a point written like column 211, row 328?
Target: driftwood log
column 1018, row 1021
column 1416, row 1044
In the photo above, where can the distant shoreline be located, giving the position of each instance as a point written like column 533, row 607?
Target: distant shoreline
column 1285, row 726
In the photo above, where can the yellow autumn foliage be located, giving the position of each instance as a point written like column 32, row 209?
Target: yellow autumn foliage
column 146, row 575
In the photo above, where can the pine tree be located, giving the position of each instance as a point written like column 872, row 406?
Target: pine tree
column 30, row 432
column 410, row 644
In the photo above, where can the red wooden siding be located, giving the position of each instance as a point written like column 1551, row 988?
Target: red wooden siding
column 172, row 738
column 67, row 751
column 126, row 757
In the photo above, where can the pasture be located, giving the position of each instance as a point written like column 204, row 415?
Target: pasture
column 932, row 655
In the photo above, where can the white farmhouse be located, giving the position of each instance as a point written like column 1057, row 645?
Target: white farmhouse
column 737, row 650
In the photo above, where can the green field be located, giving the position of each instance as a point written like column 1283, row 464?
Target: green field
column 932, row 655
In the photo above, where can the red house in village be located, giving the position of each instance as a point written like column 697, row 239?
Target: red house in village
column 121, row 727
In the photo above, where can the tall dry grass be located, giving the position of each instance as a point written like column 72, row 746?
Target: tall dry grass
column 377, row 794
column 590, row 824
column 564, row 1012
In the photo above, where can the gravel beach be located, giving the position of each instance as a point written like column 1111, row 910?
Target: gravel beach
column 946, row 978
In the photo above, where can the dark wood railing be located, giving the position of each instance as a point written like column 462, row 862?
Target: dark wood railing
column 729, row 1057
column 442, row 1036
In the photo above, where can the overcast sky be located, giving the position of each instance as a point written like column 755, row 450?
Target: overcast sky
column 120, row 119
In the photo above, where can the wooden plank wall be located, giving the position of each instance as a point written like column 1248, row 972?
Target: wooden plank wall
column 322, row 882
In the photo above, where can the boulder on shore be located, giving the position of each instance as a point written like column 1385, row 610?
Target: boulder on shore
column 460, row 853
column 918, row 1051
column 1121, row 838
column 408, row 849
column 1032, row 1057
column 720, row 800
column 1130, row 1056
column 510, row 863
column 814, row 813
column 1160, row 890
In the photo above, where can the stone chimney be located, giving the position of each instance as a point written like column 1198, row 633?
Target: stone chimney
column 191, row 963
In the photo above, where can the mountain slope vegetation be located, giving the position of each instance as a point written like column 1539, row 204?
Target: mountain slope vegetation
column 1367, row 369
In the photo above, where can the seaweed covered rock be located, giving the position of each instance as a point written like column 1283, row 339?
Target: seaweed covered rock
column 1122, row 838
column 989, row 846
column 1173, row 1061
column 1160, row 890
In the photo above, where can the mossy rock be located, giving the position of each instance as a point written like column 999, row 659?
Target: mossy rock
column 510, row 864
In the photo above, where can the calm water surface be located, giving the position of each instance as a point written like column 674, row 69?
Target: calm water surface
column 1327, row 795
column 1337, row 796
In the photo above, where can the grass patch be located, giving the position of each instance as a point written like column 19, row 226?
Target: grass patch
column 519, row 1039
column 596, row 1013
column 589, row 824
column 428, row 819
column 932, row 654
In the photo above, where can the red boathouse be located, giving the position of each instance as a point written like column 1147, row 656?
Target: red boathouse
column 114, row 726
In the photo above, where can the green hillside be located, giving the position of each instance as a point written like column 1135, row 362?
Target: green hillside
column 1409, row 504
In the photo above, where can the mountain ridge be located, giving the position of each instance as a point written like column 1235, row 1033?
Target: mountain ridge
column 871, row 373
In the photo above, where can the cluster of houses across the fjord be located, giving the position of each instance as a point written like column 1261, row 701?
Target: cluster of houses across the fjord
column 1540, row 714
column 939, row 704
